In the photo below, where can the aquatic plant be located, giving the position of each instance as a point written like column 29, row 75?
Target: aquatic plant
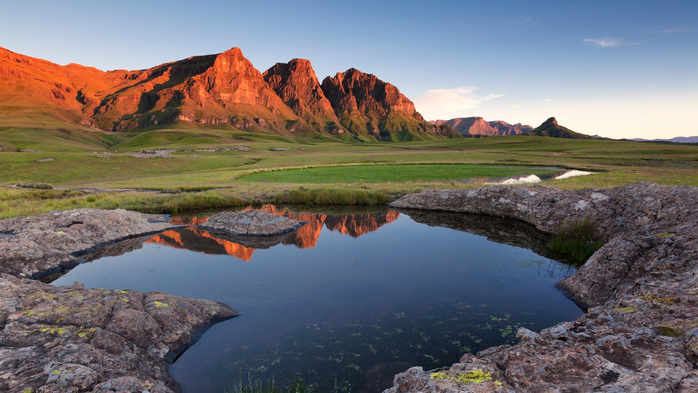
column 576, row 240
column 296, row 385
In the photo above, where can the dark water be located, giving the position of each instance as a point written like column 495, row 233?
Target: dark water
column 348, row 300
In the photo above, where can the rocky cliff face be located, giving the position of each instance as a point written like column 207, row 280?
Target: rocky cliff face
column 298, row 86
column 373, row 109
column 504, row 128
column 216, row 89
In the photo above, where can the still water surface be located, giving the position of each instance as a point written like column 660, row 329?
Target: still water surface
column 350, row 299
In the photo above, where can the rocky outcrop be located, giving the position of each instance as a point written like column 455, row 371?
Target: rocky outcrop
column 369, row 107
column 48, row 242
column 298, row 86
column 70, row 339
column 640, row 333
column 252, row 223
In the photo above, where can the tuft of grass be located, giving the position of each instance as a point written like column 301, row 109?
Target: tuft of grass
column 576, row 240
column 258, row 386
column 333, row 196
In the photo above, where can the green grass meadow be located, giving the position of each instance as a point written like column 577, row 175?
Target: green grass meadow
column 396, row 173
column 243, row 166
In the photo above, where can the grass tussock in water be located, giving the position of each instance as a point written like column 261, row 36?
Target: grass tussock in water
column 258, row 386
column 576, row 240
column 333, row 196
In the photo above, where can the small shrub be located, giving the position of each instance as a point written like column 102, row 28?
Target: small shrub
column 576, row 240
column 40, row 186
column 91, row 199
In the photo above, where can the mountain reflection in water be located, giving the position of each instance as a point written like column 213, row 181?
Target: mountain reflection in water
column 207, row 242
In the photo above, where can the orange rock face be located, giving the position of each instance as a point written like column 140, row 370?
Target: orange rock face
column 355, row 90
column 366, row 105
column 298, row 86
column 214, row 89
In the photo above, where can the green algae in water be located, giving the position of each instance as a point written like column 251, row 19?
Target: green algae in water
column 353, row 351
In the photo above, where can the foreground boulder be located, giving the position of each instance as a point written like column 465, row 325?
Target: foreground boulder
column 45, row 243
column 70, row 339
column 641, row 332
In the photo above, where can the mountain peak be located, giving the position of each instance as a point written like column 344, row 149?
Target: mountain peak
column 298, row 86
column 551, row 121
column 551, row 128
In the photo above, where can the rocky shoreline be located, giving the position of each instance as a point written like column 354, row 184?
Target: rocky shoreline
column 640, row 333
column 72, row 339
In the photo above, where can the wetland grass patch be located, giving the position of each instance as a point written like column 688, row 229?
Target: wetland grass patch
column 576, row 240
column 357, row 174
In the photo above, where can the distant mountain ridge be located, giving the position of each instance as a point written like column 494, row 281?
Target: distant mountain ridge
column 479, row 126
column 223, row 89
column 678, row 139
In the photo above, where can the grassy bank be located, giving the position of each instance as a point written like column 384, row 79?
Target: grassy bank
column 14, row 202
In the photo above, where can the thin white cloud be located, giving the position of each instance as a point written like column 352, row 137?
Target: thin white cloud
column 442, row 103
column 608, row 42
column 671, row 31
column 547, row 99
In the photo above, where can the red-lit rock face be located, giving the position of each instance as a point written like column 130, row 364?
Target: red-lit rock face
column 298, row 86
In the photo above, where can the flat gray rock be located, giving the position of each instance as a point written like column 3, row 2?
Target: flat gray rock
column 252, row 223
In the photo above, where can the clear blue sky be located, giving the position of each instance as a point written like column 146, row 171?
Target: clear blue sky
column 613, row 68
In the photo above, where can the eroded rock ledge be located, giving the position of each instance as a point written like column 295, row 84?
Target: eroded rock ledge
column 69, row 339
column 641, row 332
